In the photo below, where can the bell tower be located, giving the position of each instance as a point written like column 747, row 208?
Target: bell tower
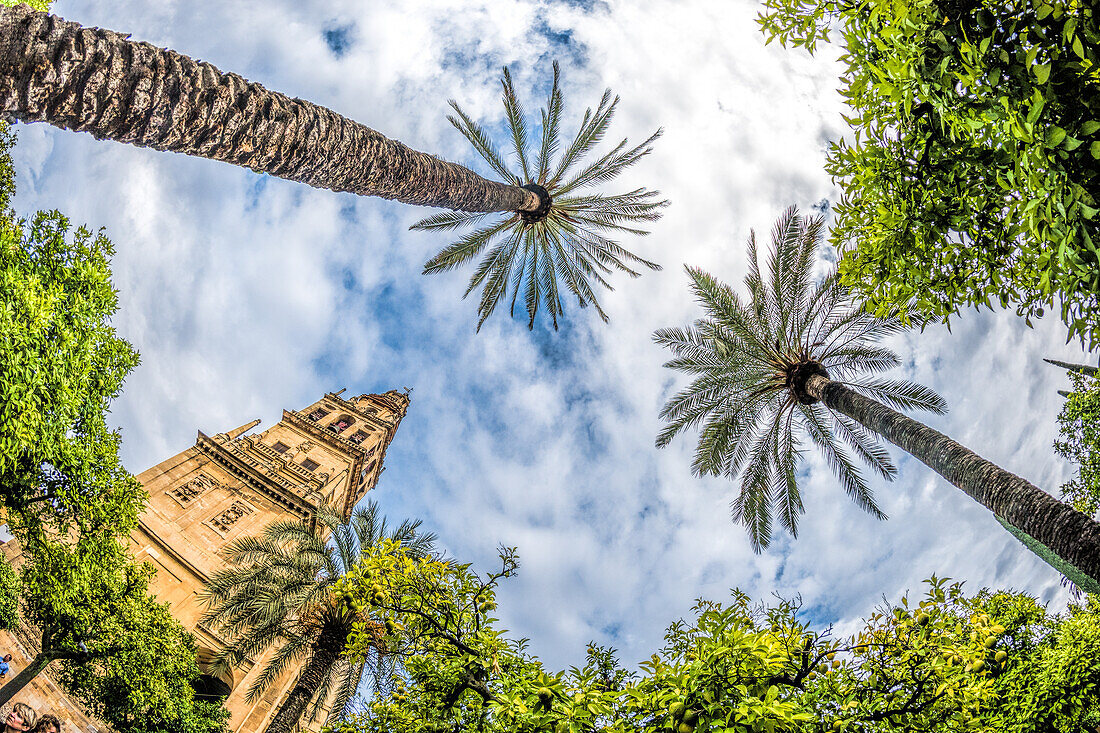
column 233, row 484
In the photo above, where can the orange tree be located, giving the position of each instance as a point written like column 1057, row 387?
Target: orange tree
column 932, row 665
column 972, row 177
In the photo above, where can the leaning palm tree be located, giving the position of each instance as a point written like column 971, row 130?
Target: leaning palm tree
column 279, row 591
column 798, row 359
column 101, row 82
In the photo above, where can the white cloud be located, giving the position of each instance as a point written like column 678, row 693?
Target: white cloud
column 247, row 294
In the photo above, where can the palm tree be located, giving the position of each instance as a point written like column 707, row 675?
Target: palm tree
column 791, row 357
column 562, row 238
column 279, row 591
column 101, row 82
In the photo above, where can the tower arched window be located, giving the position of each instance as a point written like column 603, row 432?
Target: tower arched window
column 317, row 414
column 341, row 423
column 358, row 437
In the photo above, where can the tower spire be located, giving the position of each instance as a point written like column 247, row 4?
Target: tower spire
column 234, row 434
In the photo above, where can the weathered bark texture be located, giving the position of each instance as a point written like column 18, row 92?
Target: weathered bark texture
column 98, row 81
column 322, row 659
column 1079, row 368
column 1069, row 534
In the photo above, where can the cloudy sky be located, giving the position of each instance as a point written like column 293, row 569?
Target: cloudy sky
column 246, row 294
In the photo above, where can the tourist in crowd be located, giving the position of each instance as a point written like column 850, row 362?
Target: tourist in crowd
column 48, row 724
column 18, row 718
column 4, row 666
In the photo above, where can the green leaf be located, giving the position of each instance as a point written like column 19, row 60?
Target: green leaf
column 1042, row 72
column 1055, row 136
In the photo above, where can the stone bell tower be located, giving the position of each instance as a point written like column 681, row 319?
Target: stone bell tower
column 234, row 484
column 226, row 486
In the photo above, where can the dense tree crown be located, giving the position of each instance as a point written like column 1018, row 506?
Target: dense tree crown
column 945, row 662
column 60, row 365
column 278, row 593
column 973, row 174
column 112, row 646
column 65, row 494
column 1079, row 442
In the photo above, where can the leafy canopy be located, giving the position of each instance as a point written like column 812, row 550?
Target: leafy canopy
column 973, row 174
column 279, row 590
column 1079, row 442
column 735, row 667
column 747, row 357
column 564, row 251
column 60, row 365
column 121, row 654
column 66, row 496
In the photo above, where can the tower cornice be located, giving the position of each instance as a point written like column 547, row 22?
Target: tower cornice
column 266, row 482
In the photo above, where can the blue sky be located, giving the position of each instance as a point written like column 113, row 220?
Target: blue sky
column 247, row 294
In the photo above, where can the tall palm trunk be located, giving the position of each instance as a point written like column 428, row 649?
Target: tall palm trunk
column 324, row 655
column 99, row 81
column 1078, row 368
column 1070, row 535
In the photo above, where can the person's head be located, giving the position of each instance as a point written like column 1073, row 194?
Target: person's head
column 22, row 717
column 7, row 657
column 48, row 724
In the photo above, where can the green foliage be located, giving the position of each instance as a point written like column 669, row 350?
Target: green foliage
column 747, row 356
column 11, row 589
column 732, row 668
column 1053, row 683
column 66, row 495
column 281, row 589
column 972, row 178
column 1079, row 442
column 36, row 4
column 60, row 365
column 120, row 652
column 568, row 244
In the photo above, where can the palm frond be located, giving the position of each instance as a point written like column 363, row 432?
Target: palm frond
column 784, row 485
column 841, row 464
column 517, row 123
column 482, row 143
column 448, row 220
column 750, row 360
column 610, row 165
column 591, row 131
column 551, row 122
column 902, row 394
column 465, row 248
column 276, row 591
column 570, row 242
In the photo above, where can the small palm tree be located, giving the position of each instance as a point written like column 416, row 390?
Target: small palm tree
column 279, row 591
column 99, row 81
column 562, row 239
column 788, row 363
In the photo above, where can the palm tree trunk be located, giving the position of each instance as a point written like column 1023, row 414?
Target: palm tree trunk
column 1078, row 368
column 28, row 673
column 99, row 81
column 1070, row 535
column 322, row 659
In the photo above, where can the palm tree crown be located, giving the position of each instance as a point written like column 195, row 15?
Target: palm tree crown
column 561, row 246
column 279, row 591
column 752, row 359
